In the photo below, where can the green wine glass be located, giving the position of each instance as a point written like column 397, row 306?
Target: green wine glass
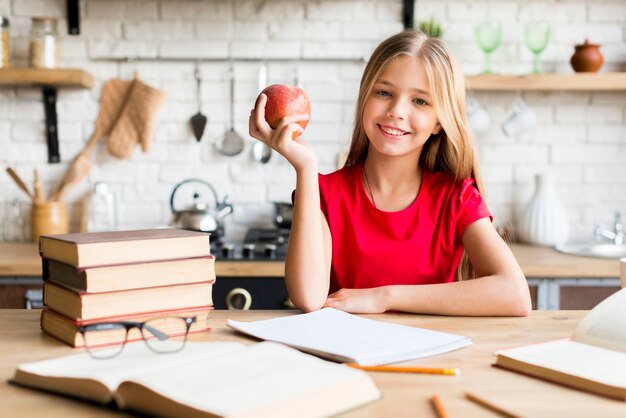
column 536, row 37
column 488, row 36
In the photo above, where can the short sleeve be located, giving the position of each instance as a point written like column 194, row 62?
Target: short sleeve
column 471, row 207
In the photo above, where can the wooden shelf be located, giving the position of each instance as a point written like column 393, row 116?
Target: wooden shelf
column 48, row 80
column 64, row 77
column 548, row 82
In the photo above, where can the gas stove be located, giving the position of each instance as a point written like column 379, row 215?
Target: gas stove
column 260, row 244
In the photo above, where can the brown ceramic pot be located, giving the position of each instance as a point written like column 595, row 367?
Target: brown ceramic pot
column 587, row 58
column 48, row 218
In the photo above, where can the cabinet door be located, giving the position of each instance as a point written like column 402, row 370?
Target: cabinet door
column 583, row 297
column 12, row 296
column 533, row 295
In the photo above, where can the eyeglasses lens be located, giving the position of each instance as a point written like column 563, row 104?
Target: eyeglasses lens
column 105, row 341
column 165, row 335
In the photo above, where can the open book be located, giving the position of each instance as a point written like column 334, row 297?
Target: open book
column 348, row 338
column 220, row 379
column 594, row 359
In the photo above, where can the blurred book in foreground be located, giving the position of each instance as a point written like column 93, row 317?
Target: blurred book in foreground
column 271, row 380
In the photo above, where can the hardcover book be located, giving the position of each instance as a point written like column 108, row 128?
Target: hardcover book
column 109, row 278
column 116, row 247
column 218, row 379
column 66, row 330
column 593, row 359
column 76, row 304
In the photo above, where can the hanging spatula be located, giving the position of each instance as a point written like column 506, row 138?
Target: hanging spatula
column 198, row 121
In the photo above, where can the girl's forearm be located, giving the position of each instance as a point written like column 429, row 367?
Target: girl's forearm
column 306, row 272
column 485, row 296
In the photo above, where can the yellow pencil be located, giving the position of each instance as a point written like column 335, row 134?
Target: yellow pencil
column 495, row 408
column 403, row 369
column 438, row 406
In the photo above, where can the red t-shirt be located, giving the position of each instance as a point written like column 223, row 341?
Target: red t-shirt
column 417, row 245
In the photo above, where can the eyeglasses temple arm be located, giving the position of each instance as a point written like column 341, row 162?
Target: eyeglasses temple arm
column 159, row 334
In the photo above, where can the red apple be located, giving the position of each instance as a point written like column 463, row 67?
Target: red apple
column 283, row 100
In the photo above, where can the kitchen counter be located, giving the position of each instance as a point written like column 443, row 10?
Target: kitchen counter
column 546, row 262
column 22, row 259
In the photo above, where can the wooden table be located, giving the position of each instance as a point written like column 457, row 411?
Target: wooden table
column 22, row 259
column 403, row 394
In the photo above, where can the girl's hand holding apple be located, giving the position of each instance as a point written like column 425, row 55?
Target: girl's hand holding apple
column 279, row 116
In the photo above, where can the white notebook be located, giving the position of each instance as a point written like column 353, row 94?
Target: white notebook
column 348, row 338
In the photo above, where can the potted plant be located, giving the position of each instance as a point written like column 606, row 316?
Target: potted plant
column 430, row 27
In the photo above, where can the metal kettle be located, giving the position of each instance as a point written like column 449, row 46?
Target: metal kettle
column 200, row 216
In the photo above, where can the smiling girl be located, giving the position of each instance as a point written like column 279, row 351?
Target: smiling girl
column 396, row 220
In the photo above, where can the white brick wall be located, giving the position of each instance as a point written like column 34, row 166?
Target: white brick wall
column 581, row 137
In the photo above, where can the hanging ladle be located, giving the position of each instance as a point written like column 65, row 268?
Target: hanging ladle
column 261, row 152
column 198, row 121
column 232, row 143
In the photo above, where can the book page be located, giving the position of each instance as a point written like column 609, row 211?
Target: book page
column 570, row 357
column 605, row 325
column 263, row 377
column 340, row 336
column 135, row 359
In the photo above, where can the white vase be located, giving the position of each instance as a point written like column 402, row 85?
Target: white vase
column 544, row 220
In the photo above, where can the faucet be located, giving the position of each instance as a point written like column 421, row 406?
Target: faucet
column 616, row 236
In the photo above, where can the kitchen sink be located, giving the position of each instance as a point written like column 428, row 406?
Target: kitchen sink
column 594, row 250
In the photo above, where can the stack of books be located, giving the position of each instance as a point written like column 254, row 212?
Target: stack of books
column 92, row 278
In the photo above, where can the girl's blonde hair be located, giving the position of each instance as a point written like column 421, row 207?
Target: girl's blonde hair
column 452, row 149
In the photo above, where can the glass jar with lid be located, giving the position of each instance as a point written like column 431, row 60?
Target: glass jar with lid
column 44, row 49
column 5, row 57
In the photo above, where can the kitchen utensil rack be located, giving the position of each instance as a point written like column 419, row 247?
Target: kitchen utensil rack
column 132, row 59
column 614, row 81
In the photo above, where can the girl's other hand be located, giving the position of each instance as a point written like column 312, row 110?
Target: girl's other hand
column 297, row 152
column 358, row 301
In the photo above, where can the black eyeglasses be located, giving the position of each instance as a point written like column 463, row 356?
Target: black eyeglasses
column 161, row 335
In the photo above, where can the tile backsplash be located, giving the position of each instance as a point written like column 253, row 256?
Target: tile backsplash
column 580, row 136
